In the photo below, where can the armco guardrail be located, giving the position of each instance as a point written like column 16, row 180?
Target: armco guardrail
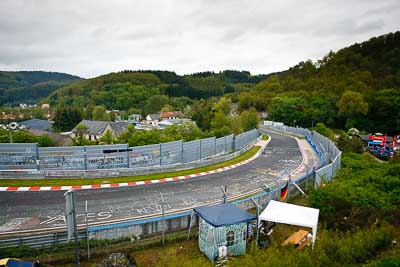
column 17, row 160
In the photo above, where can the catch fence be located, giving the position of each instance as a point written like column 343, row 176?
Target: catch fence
column 84, row 160
column 330, row 155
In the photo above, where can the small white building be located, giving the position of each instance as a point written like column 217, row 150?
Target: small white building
column 153, row 119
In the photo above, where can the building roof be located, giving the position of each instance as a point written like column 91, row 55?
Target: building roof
column 118, row 127
column 37, row 124
column 154, row 117
column 224, row 214
column 93, row 127
column 135, row 115
column 98, row 127
column 169, row 114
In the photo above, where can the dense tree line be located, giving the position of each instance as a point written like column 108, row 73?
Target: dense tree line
column 30, row 86
column 357, row 86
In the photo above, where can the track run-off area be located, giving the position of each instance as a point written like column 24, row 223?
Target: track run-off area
column 26, row 211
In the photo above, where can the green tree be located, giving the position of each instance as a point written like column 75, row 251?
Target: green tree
column 352, row 105
column 249, row 119
column 325, row 131
column 155, row 103
column 99, row 114
column 224, row 105
column 108, row 138
column 80, row 140
column 141, row 138
column 66, row 118
column 220, row 124
column 45, row 141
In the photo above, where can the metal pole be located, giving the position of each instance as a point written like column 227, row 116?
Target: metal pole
column 224, row 191
column 258, row 214
column 162, row 216
column 182, row 152
column 71, row 222
column 10, row 136
column 85, row 156
column 307, row 178
column 200, row 150
column 127, row 156
column 87, row 231
column 37, row 157
column 225, row 145
column 160, row 154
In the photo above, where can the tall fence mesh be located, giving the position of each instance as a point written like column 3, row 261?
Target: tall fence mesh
column 330, row 155
column 77, row 160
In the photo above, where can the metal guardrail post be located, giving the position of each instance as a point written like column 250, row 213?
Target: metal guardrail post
column 37, row 157
column 182, row 152
column 160, row 154
column 200, row 150
column 85, row 157
column 127, row 156
column 55, row 238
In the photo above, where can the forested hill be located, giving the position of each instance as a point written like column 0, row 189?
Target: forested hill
column 357, row 86
column 29, row 86
column 146, row 90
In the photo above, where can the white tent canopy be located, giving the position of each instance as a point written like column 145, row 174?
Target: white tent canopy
column 281, row 212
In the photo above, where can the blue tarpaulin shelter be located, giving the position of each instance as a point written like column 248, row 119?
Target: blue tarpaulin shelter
column 225, row 227
column 224, row 215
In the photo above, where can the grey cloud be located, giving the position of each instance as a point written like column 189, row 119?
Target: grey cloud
column 91, row 37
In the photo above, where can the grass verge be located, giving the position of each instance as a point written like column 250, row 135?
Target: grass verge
column 53, row 182
column 265, row 137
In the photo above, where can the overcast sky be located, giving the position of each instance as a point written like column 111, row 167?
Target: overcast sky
column 90, row 38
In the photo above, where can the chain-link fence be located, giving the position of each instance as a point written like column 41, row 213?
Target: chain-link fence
column 81, row 160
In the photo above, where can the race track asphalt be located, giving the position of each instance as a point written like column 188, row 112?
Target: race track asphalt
column 37, row 210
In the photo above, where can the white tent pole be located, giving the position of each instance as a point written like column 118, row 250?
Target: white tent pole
column 314, row 236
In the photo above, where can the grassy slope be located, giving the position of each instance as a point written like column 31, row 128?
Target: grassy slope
column 35, row 182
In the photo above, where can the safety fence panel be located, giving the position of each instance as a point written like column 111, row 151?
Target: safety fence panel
column 144, row 156
column 244, row 140
column 171, row 152
column 106, row 157
column 230, row 143
column 220, row 146
column 64, row 158
column 191, row 151
column 207, row 148
column 18, row 156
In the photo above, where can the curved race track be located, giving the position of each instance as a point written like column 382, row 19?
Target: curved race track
column 39, row 210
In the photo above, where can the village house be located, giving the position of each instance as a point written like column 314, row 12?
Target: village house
column 153, row 119
column 171, row 115
column 96, row 129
